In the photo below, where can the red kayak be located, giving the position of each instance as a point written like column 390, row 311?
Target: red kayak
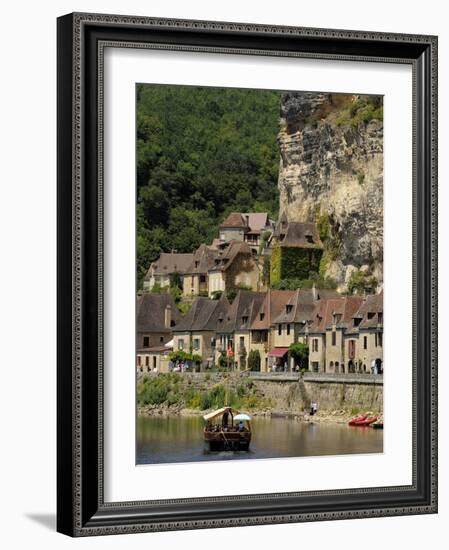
column 354, row 421
column 367, row 421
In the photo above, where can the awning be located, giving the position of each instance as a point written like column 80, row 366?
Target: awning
column 278, row 352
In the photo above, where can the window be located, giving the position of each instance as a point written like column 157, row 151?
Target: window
column 202, row 278
column 244, row 320
column 357, row 321
column 378, row 339
column 196, row 343
column 180, row 343
column 315, row 344
column 365, row 342
column 309, row 238
column 370, row 314
column 147, row 360
column 289, row 308
column 262, row 316
column 288, row 328
column 146, row 341
column 242, row 342
column 161, row 339
column 280, row 330
column 138, row 360
column 334, row 338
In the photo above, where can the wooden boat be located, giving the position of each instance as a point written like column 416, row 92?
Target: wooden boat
column 227, row 430
column 367, row 421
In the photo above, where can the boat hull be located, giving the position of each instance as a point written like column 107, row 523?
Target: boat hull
column 221, row 441
column 363, row 422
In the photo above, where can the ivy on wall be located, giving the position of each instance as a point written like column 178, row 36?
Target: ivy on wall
column 294, row 263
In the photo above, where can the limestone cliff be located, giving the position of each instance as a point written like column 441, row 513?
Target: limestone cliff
column 331, row 172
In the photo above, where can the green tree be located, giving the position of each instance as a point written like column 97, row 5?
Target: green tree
column 254, row 360
column 201, row 153
column 300, row 354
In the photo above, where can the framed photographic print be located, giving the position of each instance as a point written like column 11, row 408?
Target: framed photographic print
column 246, row 274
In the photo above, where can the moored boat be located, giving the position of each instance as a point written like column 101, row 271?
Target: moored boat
column 379, row 425
column 363, row 420
column 227, row 429
column 356, row 419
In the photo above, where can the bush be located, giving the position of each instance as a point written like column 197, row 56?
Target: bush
column 300, row 354
column 254, row 360
column 361, row 281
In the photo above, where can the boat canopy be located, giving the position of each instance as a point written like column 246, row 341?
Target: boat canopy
column 219, row 412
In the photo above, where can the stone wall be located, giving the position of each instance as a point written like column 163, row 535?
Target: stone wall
column 294, row 394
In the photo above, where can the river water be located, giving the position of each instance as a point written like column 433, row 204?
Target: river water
column 179, row 439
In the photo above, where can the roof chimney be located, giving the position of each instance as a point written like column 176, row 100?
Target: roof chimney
column 168, row 316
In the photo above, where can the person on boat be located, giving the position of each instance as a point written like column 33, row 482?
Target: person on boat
column 241, row 426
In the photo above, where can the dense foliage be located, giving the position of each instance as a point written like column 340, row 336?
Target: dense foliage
column 201, row 154
column 300, row 353
column 294, row 263
column 254, row 360
column 175, row 389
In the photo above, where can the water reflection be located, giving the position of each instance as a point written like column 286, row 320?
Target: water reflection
column 179, row 439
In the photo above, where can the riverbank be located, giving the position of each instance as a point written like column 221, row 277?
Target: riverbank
column 338, row 400
column 340, row 416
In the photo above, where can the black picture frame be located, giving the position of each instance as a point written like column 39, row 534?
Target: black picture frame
column 81, row 509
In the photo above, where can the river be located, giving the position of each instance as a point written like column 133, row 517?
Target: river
column 179, row 439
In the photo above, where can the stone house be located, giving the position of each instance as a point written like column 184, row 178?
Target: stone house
column 364, row 338
column 162, row 270
column 234, row 266
column 245, row 226
column 196, row 333
column 156, row 317
column 291, row 325
column 331, row 319
column 234, row 333
column 196, row 275
column 296, row 250
column 154, row 359
column 262, row 328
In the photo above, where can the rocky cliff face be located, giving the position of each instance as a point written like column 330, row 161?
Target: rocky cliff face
column 331, row 172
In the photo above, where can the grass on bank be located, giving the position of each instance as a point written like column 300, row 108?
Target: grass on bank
column 174, row 389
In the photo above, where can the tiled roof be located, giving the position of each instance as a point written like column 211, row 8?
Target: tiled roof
column 224, row 259
column 245, row 304
column 257, row 221
column 150, row 312
column 300, row 235
column 254, row 222
column 271, row 307
column 369, row 311
column 169, row 263
column 323, row 315
column 302, row 304
column 234, row 220
column 203, row 260
column 205, row 314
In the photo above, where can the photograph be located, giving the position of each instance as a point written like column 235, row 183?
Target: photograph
column 259, row 273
